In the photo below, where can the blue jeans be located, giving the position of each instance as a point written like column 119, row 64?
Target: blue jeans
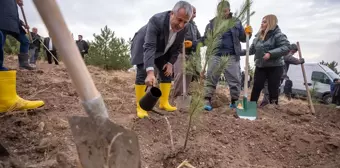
column 22, row 38
column 34, row 53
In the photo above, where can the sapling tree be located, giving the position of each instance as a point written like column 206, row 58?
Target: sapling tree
column 212, row 39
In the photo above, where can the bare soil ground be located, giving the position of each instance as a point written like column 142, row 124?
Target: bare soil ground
column 284, row 138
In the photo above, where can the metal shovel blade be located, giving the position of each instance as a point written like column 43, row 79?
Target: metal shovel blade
column 3, row 151
column 246, row 109
column 183, row 102
column 93, row 142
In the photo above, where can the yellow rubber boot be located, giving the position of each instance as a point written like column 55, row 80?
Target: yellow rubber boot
column 9, row 100
column 140, row 92
column 164, row 99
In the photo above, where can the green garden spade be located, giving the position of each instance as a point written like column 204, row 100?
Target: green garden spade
column 246, row 109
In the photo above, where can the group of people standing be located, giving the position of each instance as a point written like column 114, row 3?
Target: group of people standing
column 50, row 49
column 10, row 24
column 158, row 44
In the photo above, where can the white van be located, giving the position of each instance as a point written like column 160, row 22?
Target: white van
column 319, row 75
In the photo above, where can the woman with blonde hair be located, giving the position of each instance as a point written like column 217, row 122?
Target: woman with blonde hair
column 269, row 47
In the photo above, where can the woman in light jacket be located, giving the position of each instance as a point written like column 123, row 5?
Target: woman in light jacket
column 269, row 47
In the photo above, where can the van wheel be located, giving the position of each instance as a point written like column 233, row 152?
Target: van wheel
column 327, row 99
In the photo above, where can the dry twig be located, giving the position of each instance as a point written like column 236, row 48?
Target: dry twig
column 170, row 132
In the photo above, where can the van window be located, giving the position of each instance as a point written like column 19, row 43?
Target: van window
column 330, row 72
column 320, row 77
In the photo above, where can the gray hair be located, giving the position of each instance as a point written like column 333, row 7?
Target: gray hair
column 183, row 4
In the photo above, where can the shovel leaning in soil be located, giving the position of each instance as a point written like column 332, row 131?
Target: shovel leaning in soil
column 28, row 30
column 100, row 143
column 183, row 102
column 246, row 109
column 3, row 151
column 310, row 102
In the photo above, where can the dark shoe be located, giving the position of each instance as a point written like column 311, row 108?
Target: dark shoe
column 3, row 68
column 264, row 103
column 233, row 104
column 207, row 105
column 23, row 62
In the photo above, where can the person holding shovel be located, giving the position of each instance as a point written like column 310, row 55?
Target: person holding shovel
column 335, row 92
column 157, row 45
column 288, row 59
column 230, row 45
column 34, row 48
column 269, row 46
column 192, row 37
column 10, row 24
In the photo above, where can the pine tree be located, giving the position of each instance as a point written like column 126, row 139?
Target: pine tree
column 108, row 51
column 11, row 46
column 332, row 65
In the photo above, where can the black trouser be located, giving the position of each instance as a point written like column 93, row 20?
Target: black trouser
column 141, row 73
column 273, row 75
column 336, row 99
column 49, row 57
column 82, row 54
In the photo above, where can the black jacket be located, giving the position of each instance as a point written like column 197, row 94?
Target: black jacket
column 336, row 93
column 47, row 43
column 150, row 42
column 9, row 16
column 82, row 45
column 36, row 41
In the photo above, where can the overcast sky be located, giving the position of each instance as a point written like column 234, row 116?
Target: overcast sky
column 314, row 23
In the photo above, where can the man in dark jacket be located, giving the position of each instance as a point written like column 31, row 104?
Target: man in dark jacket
column 192, row 36
column 51, row 51
column 10, row 24
column 157, row 45
column 335, row 92
column 34, row 46
column 82, row 46
column 288, row 59
column 230, row 46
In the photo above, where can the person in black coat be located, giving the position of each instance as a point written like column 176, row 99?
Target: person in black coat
column 10, row 24
column 34, row 46
column 336, row 93
column 83, row 46
column 51, row 51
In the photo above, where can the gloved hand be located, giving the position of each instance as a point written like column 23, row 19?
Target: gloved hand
column 188, row 44
column 248, row 29
column 302, row 60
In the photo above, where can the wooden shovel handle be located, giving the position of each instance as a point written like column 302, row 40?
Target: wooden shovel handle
column 24, row 16
column 66, row 46
column 310, row 102
column 184, row 72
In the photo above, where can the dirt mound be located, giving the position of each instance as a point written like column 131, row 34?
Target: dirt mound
column 286, row 137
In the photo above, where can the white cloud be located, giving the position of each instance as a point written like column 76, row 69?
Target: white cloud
column 314, row 23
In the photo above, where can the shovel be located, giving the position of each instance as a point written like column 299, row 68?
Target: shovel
column 310, row 102
column 246, row 109
column 28, row 30
column 183, row 102
column 100, row 143
column 3, row 151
